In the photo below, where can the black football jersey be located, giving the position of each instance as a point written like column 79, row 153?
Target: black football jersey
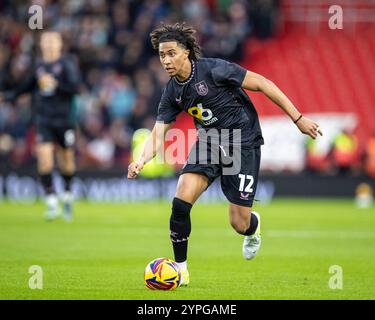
column 213, row 96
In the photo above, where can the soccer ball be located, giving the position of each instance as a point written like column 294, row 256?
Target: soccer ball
column 162, row 274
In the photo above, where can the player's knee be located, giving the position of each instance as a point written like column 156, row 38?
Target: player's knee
column 183, row 191
column 66, row 162
column 180, row 225
column 45, row 159
column 67, row 168
column 190, row 186
column 45, row 166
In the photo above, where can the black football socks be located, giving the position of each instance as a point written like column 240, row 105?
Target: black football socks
column 180, row 227
column 253, row 225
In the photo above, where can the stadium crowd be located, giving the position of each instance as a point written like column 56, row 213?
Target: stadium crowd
column 122, row 77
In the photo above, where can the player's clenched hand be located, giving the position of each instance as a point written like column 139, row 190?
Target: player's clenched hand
column 134, row 169
column 309, row 127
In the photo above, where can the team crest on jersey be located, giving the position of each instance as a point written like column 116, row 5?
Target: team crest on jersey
column 201, row 88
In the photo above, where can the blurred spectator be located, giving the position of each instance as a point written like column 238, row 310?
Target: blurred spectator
column 316, row 159
column 369, row 165
column 263, row 15
column 122, row 76
column 345, row 151
column 364, row 196
column 98, row 149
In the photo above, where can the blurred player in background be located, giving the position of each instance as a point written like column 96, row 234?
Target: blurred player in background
column 212, row 91
column 53, row 81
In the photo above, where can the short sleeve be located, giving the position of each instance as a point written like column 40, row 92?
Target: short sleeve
column 228, row 73
column 167, row 110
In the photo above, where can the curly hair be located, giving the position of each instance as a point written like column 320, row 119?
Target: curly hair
column 180, row 32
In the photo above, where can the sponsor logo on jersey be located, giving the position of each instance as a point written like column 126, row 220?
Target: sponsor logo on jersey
column 204, row 115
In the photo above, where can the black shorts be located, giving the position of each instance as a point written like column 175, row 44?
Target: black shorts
column 238, row 182
column 64, row 136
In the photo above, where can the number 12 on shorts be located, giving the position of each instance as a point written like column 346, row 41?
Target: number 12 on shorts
column 249, row 185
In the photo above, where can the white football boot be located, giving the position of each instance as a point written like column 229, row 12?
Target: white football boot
column 53, row 210
column 67, row 200
column 251, row 244
column 184, row 278
column 184, row 274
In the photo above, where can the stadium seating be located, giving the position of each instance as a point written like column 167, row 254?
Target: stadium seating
column 321, row 70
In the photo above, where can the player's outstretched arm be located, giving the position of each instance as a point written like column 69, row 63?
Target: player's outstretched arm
column 257, row 82
column 151, row 148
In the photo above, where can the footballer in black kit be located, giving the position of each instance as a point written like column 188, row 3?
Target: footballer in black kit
column 53, row 81
column 214, row 97
column 229, row 134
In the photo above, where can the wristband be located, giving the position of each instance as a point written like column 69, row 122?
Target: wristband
column 299, row 118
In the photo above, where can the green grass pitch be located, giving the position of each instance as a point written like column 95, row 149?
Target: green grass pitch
column 103, row 252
